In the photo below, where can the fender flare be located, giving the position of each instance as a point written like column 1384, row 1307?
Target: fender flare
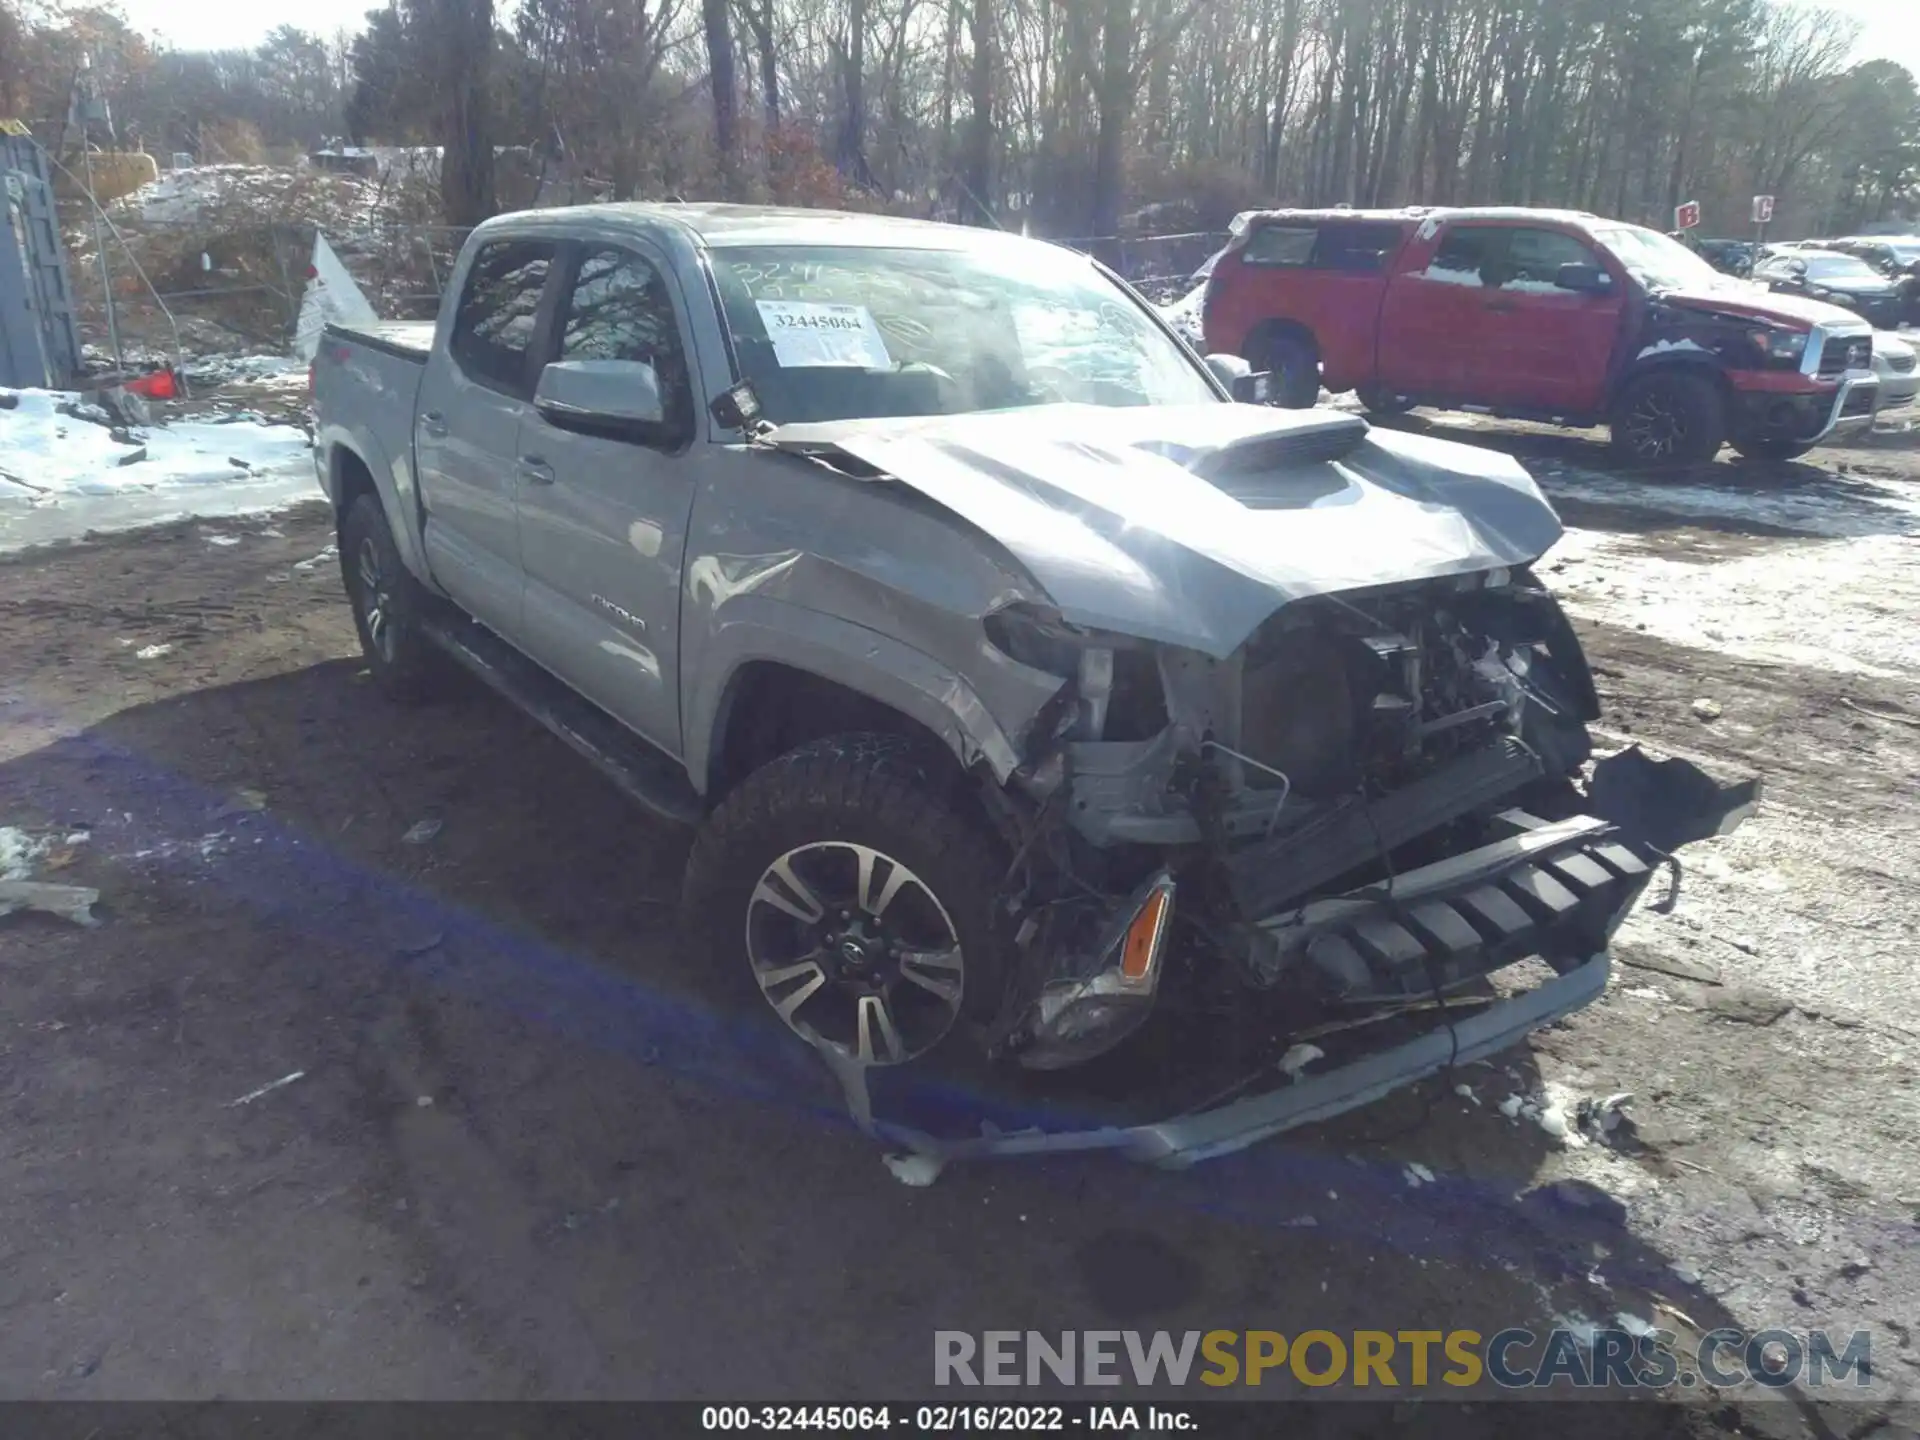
column 392, row 481
column 886, row 670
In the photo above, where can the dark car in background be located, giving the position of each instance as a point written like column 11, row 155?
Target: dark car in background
column 1837, row 279
column 1895, row 256
column 1729, row 257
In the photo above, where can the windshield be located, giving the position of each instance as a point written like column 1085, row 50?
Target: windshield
column 1657, row 262
column 1839, row 267
column 845, row 333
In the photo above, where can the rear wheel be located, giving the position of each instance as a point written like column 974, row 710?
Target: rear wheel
column 1669, row 417
column 387, row 602
column 1294, row 362
column 849, row 883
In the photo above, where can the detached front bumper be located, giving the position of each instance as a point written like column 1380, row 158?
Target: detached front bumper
column 1555, row 892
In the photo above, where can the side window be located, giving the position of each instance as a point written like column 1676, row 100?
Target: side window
column 619, row 309
column 493, row 328
column 1466, row 253
column 1534, row 258
column 1359, row 246
column 1280, row 245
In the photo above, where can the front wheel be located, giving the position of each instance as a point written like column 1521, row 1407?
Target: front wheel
column 1772, row 449
column 1669, row 417
column 849, row 883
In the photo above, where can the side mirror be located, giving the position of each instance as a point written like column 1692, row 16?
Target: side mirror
column 1584, row 279
column 616, row 398
column 1246, row 385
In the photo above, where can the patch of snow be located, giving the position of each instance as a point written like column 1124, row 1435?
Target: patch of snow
column 275, row 371
column 1184, row 315
column 223, row 540
column 1532, row 287
column 151, row 652
column 1417, row 1174
column 1469, row 278
column 65, row 470
column 1661, row 347
column 18, row 851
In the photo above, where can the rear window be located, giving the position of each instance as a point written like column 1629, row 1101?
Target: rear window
column 1356, row 245
column 494, row 326
column 1281, row 245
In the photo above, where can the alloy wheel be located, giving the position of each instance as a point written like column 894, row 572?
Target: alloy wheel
column 855, row 952
column 376, row 601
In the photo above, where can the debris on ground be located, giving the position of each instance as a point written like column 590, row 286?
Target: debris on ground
column 332, row 552
column 1581, row 1198
column 1746, row 1006
column 1705, row 709
column 267, row 1089
column 919, row 1171
column 152, row 652
column 1666, row 962
column 1417, row 1174
column 422, row 831
column 1608, row 1122
column 63, row 902
column 1298, row 1057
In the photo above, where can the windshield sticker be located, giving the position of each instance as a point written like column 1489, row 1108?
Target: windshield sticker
column 808, row 334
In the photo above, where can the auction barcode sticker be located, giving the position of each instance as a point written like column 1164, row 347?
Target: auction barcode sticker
column 807, row 333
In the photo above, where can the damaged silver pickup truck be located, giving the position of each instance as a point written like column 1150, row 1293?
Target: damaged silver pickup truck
column 1038, row 705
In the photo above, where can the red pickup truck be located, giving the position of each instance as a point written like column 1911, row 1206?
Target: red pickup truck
column 1538, row 315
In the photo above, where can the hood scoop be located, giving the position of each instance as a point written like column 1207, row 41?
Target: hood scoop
column 1310, row 441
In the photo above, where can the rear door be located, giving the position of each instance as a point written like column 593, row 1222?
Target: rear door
column 1433, row 324
column 476, row 393
column 1543, row 347
column 603, row 522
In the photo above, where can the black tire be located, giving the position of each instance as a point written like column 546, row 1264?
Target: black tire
column 1669, row 417
column 1294, row 362
column 1379, row 402
column 808, row 809
column 387, row 603
column 1757, row 449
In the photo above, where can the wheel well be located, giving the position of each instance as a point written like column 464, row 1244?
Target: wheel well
column 1261, row 338
column 351, row 480
column 772, row 708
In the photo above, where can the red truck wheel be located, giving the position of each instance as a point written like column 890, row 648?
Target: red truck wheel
column 1294, row 363
column 1669, row 417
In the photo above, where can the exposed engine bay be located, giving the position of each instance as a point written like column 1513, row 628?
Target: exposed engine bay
column 1353, row 738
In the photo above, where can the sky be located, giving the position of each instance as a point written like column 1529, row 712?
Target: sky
column 1891, row 28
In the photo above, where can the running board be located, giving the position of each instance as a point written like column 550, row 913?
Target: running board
column 647, row 775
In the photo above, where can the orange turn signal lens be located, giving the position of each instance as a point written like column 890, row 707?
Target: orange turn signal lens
column 1142, row 947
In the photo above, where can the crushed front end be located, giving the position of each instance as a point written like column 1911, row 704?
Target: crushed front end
column 1352, row 829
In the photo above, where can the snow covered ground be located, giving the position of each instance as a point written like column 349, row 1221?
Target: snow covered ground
column 65, row 469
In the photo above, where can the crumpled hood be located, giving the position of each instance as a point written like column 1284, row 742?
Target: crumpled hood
column 1749, row 298
column 1192, row 524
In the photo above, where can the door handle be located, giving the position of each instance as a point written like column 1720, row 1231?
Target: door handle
column 535, row 471
column 433, row 425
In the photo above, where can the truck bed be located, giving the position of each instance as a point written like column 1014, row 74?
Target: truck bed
column 407, row 339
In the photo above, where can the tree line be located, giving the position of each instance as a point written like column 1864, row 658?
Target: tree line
column 1084, row 119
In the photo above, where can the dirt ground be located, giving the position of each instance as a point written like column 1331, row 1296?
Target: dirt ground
column 534, row 1149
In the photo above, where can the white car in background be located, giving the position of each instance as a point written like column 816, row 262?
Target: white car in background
column 1897, row 364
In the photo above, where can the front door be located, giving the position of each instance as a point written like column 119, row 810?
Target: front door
column 473, row 400
column 1432, row 321
column 1546, row 348
column 603, row 522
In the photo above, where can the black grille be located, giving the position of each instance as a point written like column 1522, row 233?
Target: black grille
column 1840, row 356
column 1859, row 402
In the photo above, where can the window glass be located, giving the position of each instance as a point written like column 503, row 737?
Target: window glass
column 493, row 328
column 840, row 333
column 1465, row 252
column 1356, row 246
column 1281, row 245
column 1534, row 257
column 619, row 309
